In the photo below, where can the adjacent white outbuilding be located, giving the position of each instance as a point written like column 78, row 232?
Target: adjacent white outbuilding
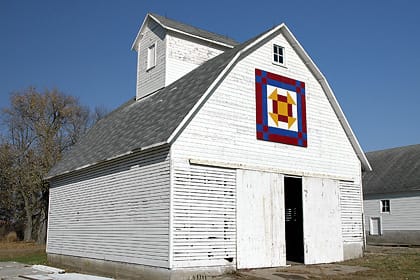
column 392, row 196
column 231, row 156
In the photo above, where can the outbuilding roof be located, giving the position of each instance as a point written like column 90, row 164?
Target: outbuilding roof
column 157, row 119
column 395, row 170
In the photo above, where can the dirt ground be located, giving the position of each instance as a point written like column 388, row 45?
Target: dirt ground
column 378, row 263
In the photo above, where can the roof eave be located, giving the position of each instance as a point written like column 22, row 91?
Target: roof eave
column 313, row 68
column 197, row 37
column 215, row 83
column 134, row 46
column 48, row 178
column 331, row 97
column 139, row 34
column 189, row 34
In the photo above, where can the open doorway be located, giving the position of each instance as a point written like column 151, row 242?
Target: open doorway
column 293, row 219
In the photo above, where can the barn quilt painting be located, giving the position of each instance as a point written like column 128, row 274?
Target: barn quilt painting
column 280, row 109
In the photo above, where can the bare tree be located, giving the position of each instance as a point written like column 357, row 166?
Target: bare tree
column 41, row 126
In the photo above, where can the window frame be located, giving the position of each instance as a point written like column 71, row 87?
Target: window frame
column 385, row 206
column 274, row 54
column 150, row 49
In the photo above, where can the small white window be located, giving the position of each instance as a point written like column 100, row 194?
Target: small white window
column 151, row 56
column 385, row 206
column 278, row 54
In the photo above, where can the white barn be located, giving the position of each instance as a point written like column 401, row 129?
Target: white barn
column 231, row 156
column 392, row 196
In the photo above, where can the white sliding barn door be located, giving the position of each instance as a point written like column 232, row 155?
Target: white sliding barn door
column 260, row 220
column 323, row 241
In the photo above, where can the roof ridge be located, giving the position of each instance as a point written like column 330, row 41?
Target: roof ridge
column 192, row 30
column 395, row 170
column 146, row 122
column 394, row 148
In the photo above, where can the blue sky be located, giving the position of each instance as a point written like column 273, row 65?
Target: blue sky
column 368, row 50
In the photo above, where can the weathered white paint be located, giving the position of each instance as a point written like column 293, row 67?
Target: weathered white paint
column 224, row 129
column 176, row 55
column 116, row 211
column 273, row 169
column 351, row 212
column 351, row 208
column 404, row 214
column 150, row 80
column 323, row 240
column 184, row 54
column 204, row 220
column 260, row 220
column 139, row 210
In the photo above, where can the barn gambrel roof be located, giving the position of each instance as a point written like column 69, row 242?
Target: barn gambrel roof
column 157, row 119
column 395, row 171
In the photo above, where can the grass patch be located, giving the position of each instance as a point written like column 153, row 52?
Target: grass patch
column 35, row 258
column 24, row 252
column 388, row 263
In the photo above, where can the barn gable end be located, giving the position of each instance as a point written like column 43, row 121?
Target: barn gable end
column 223, row 134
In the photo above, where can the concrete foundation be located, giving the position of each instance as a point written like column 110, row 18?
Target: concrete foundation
column 120, row 270
column 352, row 250
column 399, row 237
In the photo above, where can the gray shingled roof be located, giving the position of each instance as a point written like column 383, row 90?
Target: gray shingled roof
column 195, row 31
column 151, row 121
column 395, row 170
column 146, row 122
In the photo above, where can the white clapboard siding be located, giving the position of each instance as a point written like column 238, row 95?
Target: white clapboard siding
column 150, row 80
column 117, row 211
column 204, row 217
column 184, row 54
column 224, row 130
column 351, row 212
column 404, row 214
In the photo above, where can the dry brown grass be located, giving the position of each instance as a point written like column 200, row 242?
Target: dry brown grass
column 378, row 263
column 381, row 263
column 388, row 263
column 18, row 250
column 11, row 237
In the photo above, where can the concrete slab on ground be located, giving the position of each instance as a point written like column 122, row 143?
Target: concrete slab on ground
column 19, row 271
column 12, row 270
column 65, row 276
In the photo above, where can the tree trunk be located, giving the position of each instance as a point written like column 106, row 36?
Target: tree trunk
column 27, row 234
column 42, row 228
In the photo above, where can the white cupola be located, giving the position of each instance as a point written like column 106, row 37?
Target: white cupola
column 167, row 50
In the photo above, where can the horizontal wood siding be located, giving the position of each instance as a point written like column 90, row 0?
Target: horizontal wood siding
column 404, row 213
column 150, row 80
column 204, row 217
column 351, row 212
column 224, row 130
column 117, row 211
column 184, row 54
